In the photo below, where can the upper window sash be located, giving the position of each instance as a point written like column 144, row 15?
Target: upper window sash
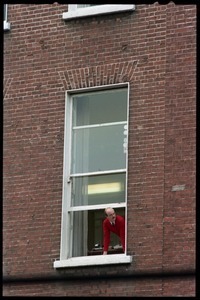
column 6, row 24
column 74, row 11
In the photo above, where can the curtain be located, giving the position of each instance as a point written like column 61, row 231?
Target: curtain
column 80, row 196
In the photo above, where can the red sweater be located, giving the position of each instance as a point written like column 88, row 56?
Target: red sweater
column 118, row 228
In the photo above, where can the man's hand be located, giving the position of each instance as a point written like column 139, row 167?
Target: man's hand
column 105, row 253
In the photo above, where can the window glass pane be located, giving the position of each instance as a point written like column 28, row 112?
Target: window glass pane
column 100, row 107
column 99, row 142
column 79, row 222
column 99, row 189
column 98, row 149
column 5, row 12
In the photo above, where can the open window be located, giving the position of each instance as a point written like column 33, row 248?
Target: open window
column 84, row 10
column 6, row 24
column 95, row 171
column 95, row 232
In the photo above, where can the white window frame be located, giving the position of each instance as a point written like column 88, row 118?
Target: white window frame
column 6, row 24
column 65, row 259
column 75, row 12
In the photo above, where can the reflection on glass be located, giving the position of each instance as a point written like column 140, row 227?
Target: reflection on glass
column 100, row 107
column 98, row 149
column 100, row 189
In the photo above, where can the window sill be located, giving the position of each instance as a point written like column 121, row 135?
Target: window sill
column 6, row 25
column 93, row 260
column 96, row 10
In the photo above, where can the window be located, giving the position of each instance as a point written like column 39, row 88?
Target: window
column 6, row 25
column 79, row 10
column 95, row 171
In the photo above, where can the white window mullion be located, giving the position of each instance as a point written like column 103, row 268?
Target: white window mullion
column 98, row 173
column 99, row 206
column 66, row 192
column 6, row 24
column 100, row 125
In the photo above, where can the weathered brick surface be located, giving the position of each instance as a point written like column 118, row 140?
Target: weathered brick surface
column 153, row 48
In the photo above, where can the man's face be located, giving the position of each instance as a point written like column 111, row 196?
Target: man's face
column 111, row 215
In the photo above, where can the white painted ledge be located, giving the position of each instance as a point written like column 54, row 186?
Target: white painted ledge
column 6, row 25
column 93, row 260
column 96, row 10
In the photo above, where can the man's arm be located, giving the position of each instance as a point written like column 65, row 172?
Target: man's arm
column 106, row 238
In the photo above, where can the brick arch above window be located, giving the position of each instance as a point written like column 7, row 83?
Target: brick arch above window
column 98, row 75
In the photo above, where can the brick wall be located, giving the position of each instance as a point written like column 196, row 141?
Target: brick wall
column 154, row 49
